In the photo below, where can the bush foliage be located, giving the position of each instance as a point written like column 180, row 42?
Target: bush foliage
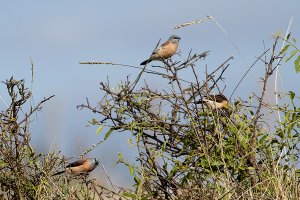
column 185, row 150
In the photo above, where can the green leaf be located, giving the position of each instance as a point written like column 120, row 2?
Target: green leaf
column 3, row 163
column 291, row 55
column 297, row 64
column 164, row 146
column 137, row 180
column 127, row 194
column 135, row 96
column 284, row 49
column 262, row 139
column 217, row 163
column 251, row 112
column 288, row 36
column 99, row 129
column 108, row 133
column 120, row 156
column 154, row 171
column 173, row 171
column 131, row 170
column 292, row 95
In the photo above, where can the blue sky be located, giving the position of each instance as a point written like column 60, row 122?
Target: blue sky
column 57, row 35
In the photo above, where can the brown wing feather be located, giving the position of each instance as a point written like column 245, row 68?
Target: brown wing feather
column 165, row 44
column 164, row 51
column 76, row 163
column 218, row 98
column 161, row 47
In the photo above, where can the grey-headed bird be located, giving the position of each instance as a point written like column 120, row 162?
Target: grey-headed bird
column 165, row 51
column 80, row 166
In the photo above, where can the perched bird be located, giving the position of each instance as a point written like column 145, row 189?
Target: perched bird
column 165, row 51
column 80, row 166
column 218, row 101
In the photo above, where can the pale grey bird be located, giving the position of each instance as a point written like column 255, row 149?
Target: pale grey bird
column 165, row 51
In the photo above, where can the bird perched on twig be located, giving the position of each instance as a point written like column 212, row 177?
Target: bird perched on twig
column 80, row 166
column 165, row 51
column 218, row 101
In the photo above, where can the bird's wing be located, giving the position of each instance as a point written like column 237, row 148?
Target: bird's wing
column 218, row 98
column 164, row 45
column 76, row 163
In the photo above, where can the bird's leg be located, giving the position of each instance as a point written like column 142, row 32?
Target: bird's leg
column 167, row 65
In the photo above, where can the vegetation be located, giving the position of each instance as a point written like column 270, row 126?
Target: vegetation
column 185, row 150
column 27, row 174
column 190, row 151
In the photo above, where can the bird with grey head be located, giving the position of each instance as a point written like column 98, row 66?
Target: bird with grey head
column 164, row 51
column 84, row 165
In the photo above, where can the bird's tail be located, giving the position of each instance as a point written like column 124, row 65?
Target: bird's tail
column 59, row 173
column 199, row 102
column 145, row 62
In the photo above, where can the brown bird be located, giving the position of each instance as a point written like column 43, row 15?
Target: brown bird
column 80, row 166
column 165, row 51
column 218, row 101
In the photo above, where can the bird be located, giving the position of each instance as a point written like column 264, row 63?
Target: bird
column 165, row 51
column 80, row 166
column 218, row 101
